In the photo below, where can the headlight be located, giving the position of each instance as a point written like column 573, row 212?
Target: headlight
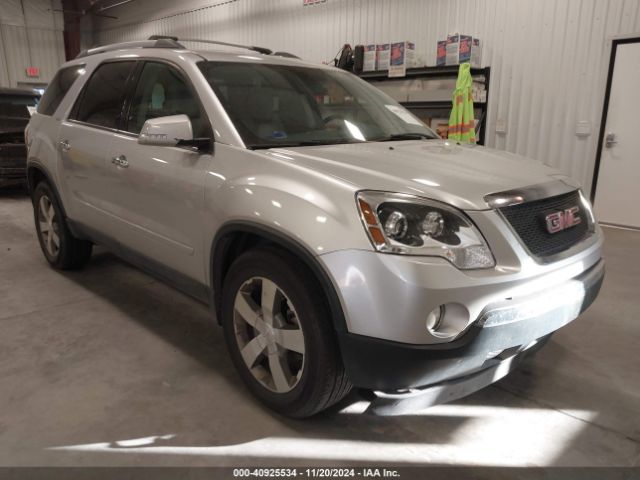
column 405, row 224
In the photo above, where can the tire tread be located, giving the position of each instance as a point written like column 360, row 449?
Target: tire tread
column 336, row 384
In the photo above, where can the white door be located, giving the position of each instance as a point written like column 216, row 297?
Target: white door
column 618, row 184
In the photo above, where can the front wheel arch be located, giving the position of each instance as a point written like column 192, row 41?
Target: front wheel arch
column 235, row 238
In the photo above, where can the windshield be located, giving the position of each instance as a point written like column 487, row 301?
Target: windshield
column 283, row 105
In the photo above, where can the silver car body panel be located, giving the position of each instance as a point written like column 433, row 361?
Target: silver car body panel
column 170, row 203
column 389, row 296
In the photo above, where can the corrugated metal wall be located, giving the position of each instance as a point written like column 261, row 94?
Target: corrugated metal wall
column 30, row 36
column 549, row 58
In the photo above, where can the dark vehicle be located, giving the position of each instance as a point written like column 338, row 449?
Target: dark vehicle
column 15, row 106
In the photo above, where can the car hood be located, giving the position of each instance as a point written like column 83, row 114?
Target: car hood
column 459, row 175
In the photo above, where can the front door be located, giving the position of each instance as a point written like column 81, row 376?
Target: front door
column 618, row 180
column 157, row 193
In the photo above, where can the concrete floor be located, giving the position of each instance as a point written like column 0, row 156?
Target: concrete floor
column 109, row 367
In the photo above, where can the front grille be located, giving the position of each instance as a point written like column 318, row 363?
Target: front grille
column 529, row 222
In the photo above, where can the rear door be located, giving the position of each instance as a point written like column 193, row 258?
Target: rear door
column 85, row 138
column 157, row 193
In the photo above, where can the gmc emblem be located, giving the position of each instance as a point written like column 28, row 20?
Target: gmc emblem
column 558, row 221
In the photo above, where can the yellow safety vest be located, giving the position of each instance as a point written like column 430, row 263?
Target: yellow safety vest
column 461, row 121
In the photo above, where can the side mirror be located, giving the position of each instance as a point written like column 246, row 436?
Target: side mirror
column 166, row 131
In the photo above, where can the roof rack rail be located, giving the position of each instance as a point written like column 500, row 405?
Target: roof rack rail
column 168, row 41
column 262, row 50
column 163, row 37
column 159, row 42
column 286, row 55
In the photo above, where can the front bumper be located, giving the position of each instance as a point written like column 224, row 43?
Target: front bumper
column 408, row 401
column 503, row 331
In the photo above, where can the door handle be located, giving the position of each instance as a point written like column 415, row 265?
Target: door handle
column 120, row 161
column 65, row 145
column 610, row 140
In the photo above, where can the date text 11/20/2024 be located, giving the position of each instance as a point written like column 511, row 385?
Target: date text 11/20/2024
column 315, row 473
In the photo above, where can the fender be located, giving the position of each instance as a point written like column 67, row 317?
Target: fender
column 34, row 165
column 221, row 246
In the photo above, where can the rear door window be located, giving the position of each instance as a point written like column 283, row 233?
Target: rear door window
column 103, row 97
column 58, row 88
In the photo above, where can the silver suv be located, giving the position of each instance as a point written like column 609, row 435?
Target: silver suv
column 338, row 240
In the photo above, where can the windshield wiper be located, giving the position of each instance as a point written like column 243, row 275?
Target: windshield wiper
column 260, row 146
column 407, row 136
column 308, row 143
column 304, row 143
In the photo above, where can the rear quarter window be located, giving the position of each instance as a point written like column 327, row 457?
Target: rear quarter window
column 58, row 88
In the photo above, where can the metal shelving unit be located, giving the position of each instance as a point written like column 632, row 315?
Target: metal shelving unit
column 480, row 75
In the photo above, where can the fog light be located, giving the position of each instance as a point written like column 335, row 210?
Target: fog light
column 434, row 319
column 447, row 321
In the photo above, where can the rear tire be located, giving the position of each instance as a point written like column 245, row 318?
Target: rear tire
column 293, row 365
column 61, row 249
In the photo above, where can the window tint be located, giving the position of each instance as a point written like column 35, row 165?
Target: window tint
column 162, row 91
column 58, row 88
column 103, row 96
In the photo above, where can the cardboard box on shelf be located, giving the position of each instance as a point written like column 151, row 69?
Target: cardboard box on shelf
column 479, row 92
column 476, row 53
column 369, row 64
column 479, row 96
column 441, row 126
column 462, row 49
column 402, row 56
column 382, row 56
column 441, row 53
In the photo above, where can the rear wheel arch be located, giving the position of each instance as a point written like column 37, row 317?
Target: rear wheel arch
column 233, row 239
column 36, row 174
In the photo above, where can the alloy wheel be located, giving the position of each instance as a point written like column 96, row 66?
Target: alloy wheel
column 49, row 226
column 269, row 335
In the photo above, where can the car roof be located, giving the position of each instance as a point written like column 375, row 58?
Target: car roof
column 18, row 91
column 168, row 46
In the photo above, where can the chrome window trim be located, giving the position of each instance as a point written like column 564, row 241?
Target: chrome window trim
column 93, row 125
column 104, row 129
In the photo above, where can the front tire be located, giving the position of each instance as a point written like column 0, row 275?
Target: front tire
column 279, row 332
column 61, row 249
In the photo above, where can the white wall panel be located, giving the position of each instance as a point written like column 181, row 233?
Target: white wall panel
column 549, row 58
column 30, row 35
